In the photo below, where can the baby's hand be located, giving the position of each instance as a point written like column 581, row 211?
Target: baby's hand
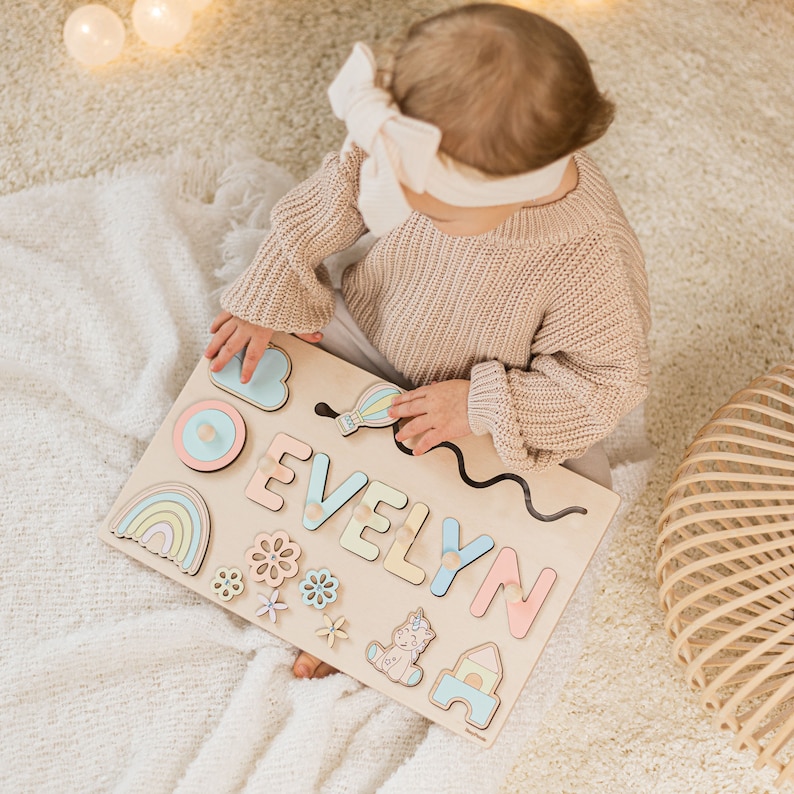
column 440, row 412
column 230, row 335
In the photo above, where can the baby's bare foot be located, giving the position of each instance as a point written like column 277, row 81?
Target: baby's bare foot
column 308, row 666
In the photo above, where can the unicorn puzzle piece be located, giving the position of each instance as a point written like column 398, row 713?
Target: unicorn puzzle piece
column 398, row 660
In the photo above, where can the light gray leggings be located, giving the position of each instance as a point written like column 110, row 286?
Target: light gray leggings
column 344, row 339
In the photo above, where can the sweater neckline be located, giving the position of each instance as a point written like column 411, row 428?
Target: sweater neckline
column 565, row 218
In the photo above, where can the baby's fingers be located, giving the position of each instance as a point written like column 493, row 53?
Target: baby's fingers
column 219, row 339
column 257, row 346
column 219, row 320
column 224, row 355
column 430, row 439
column 415, row 427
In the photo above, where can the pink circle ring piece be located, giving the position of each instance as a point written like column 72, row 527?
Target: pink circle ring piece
column 209, row 435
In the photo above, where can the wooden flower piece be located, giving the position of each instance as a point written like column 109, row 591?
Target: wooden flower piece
column 228, row 583
column 273, row 558
column 332, row 630
column 271, row 606
column 319, row 588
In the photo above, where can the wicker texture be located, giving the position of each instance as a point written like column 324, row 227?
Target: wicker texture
column 726, row 568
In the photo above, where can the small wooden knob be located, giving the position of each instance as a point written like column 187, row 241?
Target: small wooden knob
column 362, row 513
column 513, row 593
column 404, row 536
column 451, row 560
column 206, row 433
column 313, row 512
column 267, row 465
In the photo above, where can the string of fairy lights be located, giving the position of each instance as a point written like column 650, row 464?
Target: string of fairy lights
column 94, row 34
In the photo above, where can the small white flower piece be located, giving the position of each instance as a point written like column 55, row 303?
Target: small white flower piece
column 271, row 605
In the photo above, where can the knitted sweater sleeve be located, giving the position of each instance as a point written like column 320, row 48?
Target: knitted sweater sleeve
column 589, row 366
column 287, row 287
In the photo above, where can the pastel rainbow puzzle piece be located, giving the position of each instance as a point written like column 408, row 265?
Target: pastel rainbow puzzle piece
column 170, row 520
column 330, row 534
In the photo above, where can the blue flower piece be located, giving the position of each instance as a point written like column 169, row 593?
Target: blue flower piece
column 319, row 588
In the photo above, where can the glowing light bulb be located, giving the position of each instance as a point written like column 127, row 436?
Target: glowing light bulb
column 372, row 409
column 162, row 23
column 93, row 34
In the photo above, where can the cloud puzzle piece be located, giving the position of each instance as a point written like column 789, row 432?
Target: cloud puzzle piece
column 267, row 388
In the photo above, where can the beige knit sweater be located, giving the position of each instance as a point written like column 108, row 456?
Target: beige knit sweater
column 547, row 314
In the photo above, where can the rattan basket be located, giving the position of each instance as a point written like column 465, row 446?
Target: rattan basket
column 726, row 568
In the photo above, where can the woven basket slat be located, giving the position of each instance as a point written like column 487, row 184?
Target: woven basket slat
column 725, row 568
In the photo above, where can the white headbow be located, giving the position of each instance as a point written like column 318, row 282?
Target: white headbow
column 404, row 150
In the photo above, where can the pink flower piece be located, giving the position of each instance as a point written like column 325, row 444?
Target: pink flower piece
column 273, row 558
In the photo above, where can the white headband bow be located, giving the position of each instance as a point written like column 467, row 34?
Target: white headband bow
column 404, row 150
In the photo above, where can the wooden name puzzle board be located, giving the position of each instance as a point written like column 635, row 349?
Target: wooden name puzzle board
column 437, row 579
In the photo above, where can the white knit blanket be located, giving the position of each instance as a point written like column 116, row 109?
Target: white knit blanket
column 112, row 677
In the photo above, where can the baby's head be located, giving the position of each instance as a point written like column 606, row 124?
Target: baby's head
column 509, row 90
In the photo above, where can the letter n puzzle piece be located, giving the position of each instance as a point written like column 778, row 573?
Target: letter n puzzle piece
column 521, row 612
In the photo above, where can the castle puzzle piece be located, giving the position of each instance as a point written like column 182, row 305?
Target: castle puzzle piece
column 473, row 682
column 488, row 556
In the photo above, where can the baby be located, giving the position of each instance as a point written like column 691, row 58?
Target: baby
column 505, row 291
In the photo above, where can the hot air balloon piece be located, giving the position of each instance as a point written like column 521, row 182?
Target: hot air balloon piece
column 372, row 409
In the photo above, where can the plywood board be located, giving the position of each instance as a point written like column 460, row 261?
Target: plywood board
column 437, row 579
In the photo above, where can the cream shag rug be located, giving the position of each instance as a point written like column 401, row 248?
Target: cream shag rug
column 700, row 156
